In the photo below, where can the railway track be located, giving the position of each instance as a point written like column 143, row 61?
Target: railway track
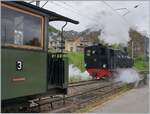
column 80, row 83
column 67, row 102
column 78, row 94
column 82, row 86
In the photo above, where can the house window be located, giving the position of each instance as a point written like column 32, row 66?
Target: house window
column 71, row 49
column 21, row 29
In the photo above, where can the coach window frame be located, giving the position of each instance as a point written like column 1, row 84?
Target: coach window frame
column 41, row 36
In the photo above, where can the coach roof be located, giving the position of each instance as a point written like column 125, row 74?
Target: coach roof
column 52, row 15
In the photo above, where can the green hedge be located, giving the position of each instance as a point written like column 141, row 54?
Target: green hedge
column 141, row 63
column 77, row 58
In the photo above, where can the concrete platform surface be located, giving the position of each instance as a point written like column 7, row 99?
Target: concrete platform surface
column 133, row 101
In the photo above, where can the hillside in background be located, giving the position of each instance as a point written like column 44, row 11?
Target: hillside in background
column 52, row 29
column 91, row 36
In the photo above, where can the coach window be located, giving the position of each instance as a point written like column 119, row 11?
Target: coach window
column 20, row 28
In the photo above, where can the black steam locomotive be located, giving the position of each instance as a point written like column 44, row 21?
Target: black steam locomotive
column 100, row 60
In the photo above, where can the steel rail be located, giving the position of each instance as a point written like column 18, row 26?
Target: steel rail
column 48, row 102
column 80, row 83
column 79, row 94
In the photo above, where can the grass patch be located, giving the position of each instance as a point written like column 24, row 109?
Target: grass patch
column 77, row 58
column 141, row 63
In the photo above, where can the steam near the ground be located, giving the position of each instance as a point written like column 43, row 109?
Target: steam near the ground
column 127, row 75
column 76, row 75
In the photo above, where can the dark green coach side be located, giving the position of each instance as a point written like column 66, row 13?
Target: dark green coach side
column 26, row 66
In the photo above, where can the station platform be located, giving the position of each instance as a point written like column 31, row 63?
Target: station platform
column 133, row 101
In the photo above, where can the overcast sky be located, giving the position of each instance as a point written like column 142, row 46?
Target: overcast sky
column 89, row 13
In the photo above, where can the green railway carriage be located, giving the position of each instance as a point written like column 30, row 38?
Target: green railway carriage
column 27, row 68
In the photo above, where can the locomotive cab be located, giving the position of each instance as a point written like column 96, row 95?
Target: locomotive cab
column 27, row 67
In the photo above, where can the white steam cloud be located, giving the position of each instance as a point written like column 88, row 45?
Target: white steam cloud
column 127, row 75
column 76, row 74
column 114, row 29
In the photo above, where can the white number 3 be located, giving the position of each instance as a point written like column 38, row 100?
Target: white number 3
column 19, row 65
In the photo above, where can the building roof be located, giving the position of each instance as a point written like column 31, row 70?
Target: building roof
column 52, row 15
